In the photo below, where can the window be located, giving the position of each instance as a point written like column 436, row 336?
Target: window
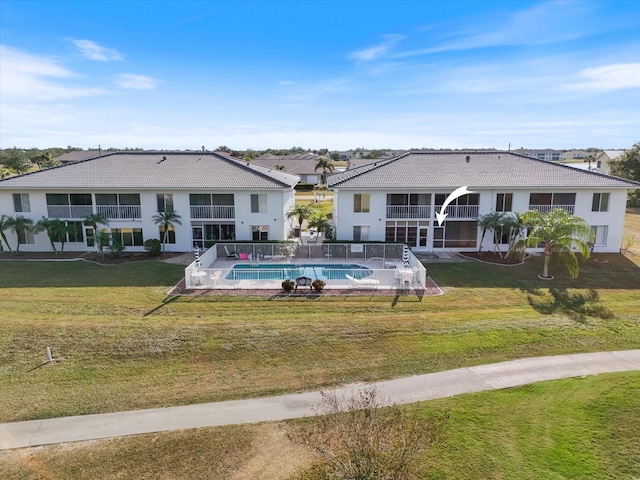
column 600, row 233
column 260, row 232
column 258, row 203
column 361, row 203
column 21, row 202
column 25, row 237
column 171, row 234
column 361, row 233
column 600, row 202
column 456, row 235
column 599, row 164
column 69, row 205
column 165, row 202
column 129, row 237
column 75, row 232
column 403, row 231
column 504, row 202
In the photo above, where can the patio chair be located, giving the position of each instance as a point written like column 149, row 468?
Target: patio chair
column 233, row 255
column 215, row 277
column 363, row 282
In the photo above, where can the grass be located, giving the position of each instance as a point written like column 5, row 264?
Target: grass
column 123, row 347
column 583, row 428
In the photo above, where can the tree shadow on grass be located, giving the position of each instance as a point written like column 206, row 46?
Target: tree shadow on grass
column 576, row 305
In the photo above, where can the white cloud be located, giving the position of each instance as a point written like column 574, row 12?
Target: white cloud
column 26, row 77
column 378, row 51
column 136, row 82
column 605, row 78
column 91, row 50
column 541, row 24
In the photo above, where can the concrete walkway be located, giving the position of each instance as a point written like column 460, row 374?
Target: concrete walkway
column 403, row 390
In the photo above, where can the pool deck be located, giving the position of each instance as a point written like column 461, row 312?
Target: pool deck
column 214, row 276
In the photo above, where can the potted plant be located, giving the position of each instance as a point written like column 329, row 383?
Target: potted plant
column 318, row 285
column 288, row 285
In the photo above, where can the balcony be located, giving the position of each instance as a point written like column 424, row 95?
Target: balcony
column 548, row 208
column 461, row 211
column 66, row 211
column 119, row 211
column 408, row 211
column 213, row 211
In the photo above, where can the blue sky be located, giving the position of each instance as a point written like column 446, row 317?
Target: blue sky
column 319, row 74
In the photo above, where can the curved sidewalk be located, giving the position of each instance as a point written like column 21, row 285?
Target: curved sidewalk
column 404, row 390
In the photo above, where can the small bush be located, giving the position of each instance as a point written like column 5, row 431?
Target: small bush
column 318, row 285
column 288, row 285
column 116, row 248
column 153, row 246
column 361, row 437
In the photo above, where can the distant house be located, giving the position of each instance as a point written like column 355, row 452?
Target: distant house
column 546, row 154
column 603, row 158
column 218, row 198
column 576, row 155
column 301, row 164
column 396, row 200
column 78, row 155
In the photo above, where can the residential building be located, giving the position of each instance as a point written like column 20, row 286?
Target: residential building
column 397, row 199
column 603, row 158
column 301, row 164
column 218, row 198
column 546, row 154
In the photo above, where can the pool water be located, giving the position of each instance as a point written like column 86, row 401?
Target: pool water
column 282, row 271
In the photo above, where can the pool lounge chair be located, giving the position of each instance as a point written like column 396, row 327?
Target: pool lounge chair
column 363, row 282
column 233, row 255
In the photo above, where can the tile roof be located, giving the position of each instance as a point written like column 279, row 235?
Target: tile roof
column 155, row 170
column 483, row 170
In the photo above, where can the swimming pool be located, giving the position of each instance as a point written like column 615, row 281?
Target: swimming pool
column 282, row 271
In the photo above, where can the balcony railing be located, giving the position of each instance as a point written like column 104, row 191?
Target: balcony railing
column 66, row 211
column 408, row 211
column 461, row 211
column 119, row 211
column 213, row 211
column 549, row 208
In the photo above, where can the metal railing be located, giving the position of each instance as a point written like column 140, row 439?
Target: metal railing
column 408, row 211
column 213, row 211
column 293, row 260
column 549, row 208
column 119, row 211
column 461, row 211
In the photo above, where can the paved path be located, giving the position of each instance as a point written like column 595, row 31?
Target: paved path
column 404, row 390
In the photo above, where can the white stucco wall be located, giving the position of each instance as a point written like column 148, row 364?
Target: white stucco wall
column 346, row 218
column 278, row 203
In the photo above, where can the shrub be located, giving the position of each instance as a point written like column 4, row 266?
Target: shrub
column 153, row 246
column 318, row 285
column 360, row 437
column 288, row 285
column 116, row 248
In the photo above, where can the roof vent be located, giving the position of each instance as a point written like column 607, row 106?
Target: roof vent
column 468, row 159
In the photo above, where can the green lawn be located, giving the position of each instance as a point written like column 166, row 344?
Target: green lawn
column 584, row 428
column 119, row 343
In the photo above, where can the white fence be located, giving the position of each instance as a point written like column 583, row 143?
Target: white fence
column 266, row 266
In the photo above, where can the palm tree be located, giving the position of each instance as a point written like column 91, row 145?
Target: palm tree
column 5, row 223
column 20, row 226
column 301, row 212
column 558, row 232
column 326, row 165
column 514, row 224
column 47, row 225
column 319, row 222
column 489, row 221
column 167, row 219
column 93, row 220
